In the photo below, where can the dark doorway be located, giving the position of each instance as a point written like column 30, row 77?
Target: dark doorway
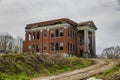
column 81, row 53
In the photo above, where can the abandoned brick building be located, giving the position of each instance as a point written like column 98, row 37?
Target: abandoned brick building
column 61, row 36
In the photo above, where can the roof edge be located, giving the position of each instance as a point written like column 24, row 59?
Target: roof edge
column 49, row 22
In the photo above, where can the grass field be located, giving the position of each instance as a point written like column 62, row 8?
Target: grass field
column 111, row 74
column 25, row 66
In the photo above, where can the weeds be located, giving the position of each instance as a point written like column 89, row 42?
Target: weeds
column 24, row 66
column 111, row 73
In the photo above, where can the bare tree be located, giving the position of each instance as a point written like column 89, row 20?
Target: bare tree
column 6, row 42
column 111, row 52
column 10, row 44
column 18, row 44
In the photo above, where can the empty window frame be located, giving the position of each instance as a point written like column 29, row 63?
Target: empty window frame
column 81, row 53
column 57, row 46
column 61, row 45
column 38, row 35
column 69, row 31
column 51, row 46
column 71, row 46
column 33, row 36
column 44, row 46
column 33, row 48
column 29, row 36
column 71, row 34
column 81, row 42
column 37, row 48
column 61, row 32
column 74, row 34
column 52, row 32
column 68, row 46
column 56, row 33
column 44, row 33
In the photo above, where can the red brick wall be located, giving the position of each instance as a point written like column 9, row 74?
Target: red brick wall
column 65, row 39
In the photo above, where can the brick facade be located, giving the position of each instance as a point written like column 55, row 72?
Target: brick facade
column 60, row 36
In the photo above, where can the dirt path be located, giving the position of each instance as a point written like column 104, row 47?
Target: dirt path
column 80, row 74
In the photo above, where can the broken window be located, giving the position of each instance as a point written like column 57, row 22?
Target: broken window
column 69, row 33
column 61, row 32
column 71, row 46
column 56, row 46
column 37, row 48
column 52, row 32
column 44, row 46
column 81, row 42
column 81, row 37
column 44, row 33
column 56, row 32
column 61, row 45
column 33, row 48
column 38, row 36
column 29, row 36
column 73, row 34
column 68, row 46
column 81, row 53
column 33, row 36
column 51, row 46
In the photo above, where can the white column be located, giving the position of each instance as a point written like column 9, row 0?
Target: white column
column 93, row 41
column 86, row 40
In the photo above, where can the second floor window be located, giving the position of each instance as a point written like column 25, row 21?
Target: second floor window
column 61, row 32
column 38, row 36
column 73, row 34
column 44, row 33
column 29, row 36
column 56, row 33
column 33, row 36
column 52, row 32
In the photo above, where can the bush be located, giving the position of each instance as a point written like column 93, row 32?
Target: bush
column 25, row 66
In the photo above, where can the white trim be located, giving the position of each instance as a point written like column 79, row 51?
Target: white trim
column 85, row 27
column 64, row 25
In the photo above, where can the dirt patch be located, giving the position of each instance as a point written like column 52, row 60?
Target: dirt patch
column 80, row 74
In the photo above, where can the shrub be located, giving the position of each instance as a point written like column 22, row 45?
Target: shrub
column 24, row 66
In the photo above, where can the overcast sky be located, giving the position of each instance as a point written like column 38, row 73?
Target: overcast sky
column 15, row 14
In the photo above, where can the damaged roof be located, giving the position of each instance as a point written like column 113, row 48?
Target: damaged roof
column 62, row 20
column 51, row 22
column 89, row 23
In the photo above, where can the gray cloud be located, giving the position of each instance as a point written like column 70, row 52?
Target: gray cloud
column 15, row 14
column 0, row 1
column 118, row 8
column 119, row 1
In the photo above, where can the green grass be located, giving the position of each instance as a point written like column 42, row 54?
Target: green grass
column 108, row 74
column 25, row 66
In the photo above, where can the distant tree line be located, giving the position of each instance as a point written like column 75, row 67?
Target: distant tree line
column 10, row 44
column 111, row 52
